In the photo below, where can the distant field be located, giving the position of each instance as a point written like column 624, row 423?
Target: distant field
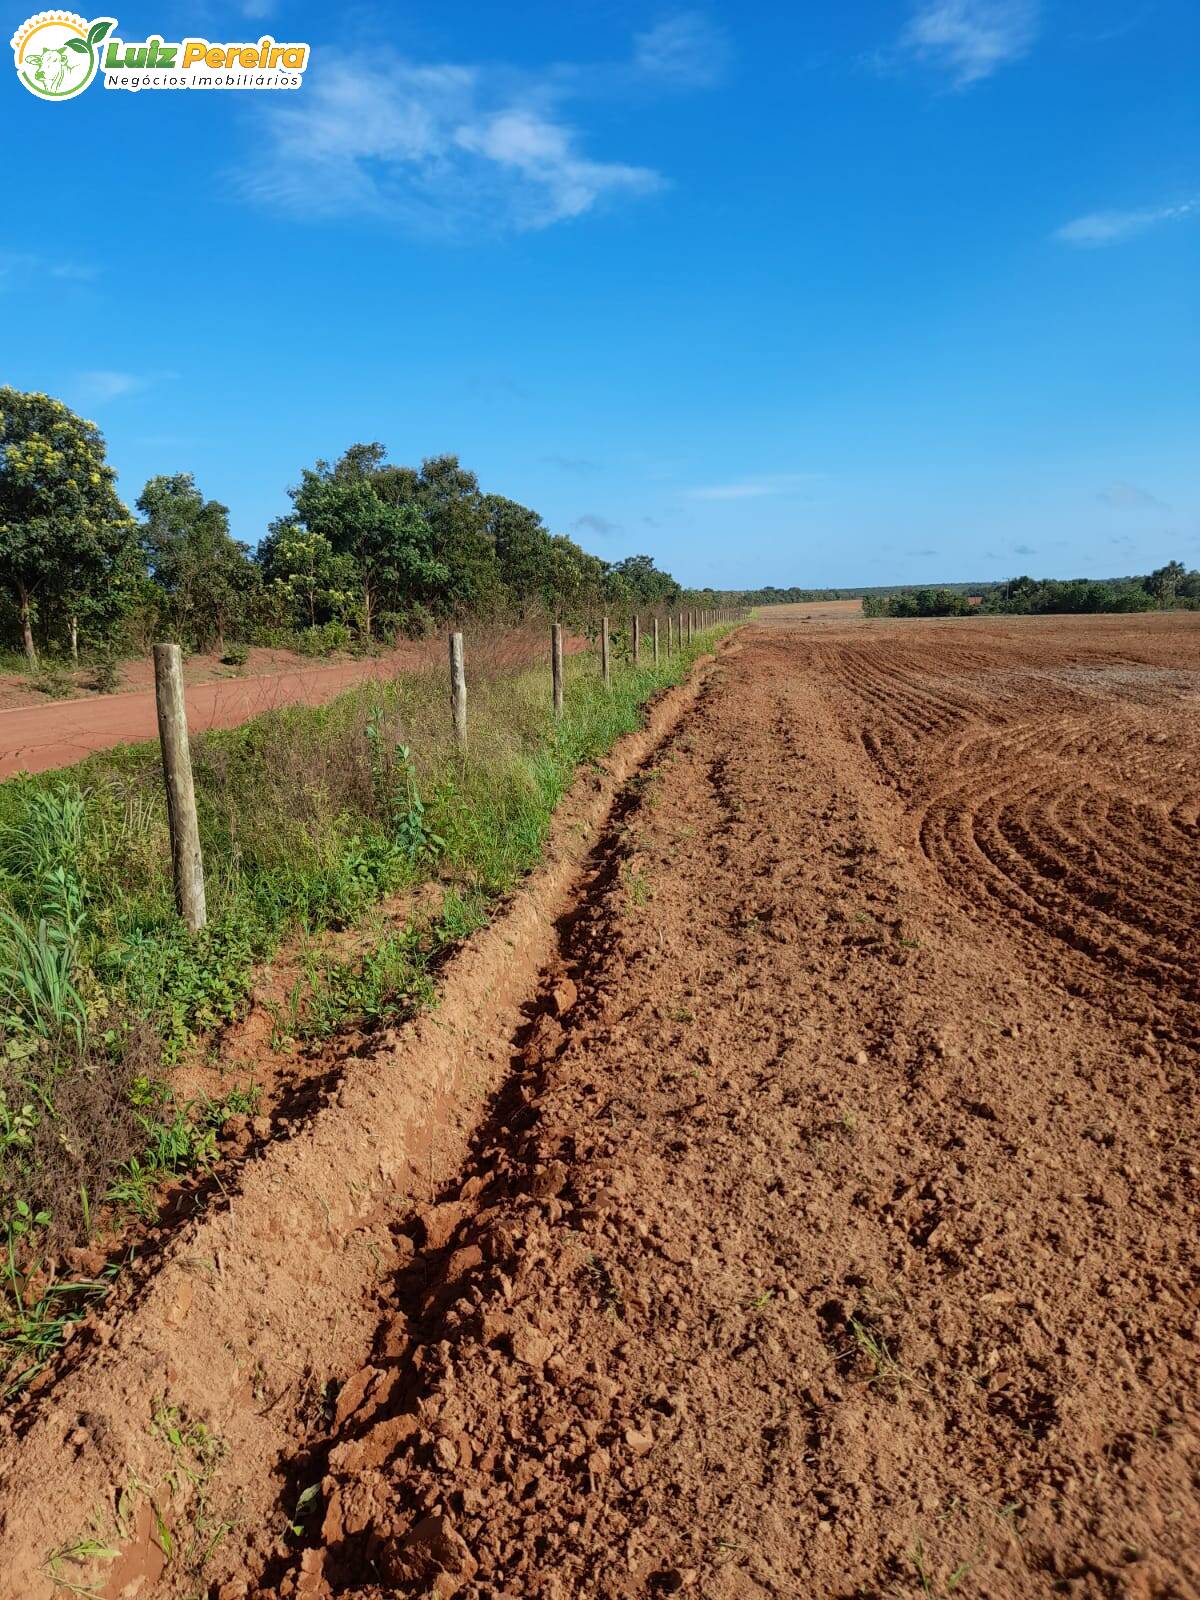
column 813, row 611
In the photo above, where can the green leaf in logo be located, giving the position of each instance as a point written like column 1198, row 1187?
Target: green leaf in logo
column 97, row 31
column 77, row 44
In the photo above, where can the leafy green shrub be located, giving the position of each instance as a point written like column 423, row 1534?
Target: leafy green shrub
column 236, row 655
column 324, row 640
column 106, row 673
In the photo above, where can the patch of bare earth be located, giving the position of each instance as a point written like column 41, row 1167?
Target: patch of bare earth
column 836, row 1233
column 829, row 1228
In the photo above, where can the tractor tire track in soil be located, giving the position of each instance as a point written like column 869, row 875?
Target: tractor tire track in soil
column 830, row 1226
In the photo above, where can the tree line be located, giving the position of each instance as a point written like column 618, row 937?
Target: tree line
column 1166, row 587
column 369, row 550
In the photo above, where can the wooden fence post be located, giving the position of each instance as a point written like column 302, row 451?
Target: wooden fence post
column 656, row 641
column 556, row 667
column 605, row 659
column 458, row 691
column 668, row 635
column 186, row 861
column 637, row 642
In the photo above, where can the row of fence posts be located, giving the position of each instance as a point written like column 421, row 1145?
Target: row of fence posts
column 685, row 628
column 187, row 864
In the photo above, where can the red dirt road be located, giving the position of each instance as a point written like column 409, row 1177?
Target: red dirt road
column 59, row 733
column 827, row 1219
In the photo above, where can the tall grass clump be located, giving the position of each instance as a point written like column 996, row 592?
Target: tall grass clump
column 308, row 816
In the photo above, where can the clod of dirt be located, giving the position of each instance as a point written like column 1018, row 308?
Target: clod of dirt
column 432, row 1555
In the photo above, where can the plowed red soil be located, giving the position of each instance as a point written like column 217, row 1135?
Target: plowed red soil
column 829, row 1224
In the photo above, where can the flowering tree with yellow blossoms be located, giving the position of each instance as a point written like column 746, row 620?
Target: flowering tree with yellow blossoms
column 64, row 531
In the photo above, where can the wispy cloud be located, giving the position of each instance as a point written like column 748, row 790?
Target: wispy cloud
column 754, row 488
column 1099, row 228
column 109, row 385
column 580, row 464
column 17, row 264
column 970, row 39
column 590, row 522
column 440, row 148
column 685, row 49
column 1024, row 550
column 1128, row 497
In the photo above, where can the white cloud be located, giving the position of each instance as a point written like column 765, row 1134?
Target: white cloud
column 561, row 182
column 1128, row 497
column 1111, row 227
column 754, row 488
column 972, row 38
column 107, row 385
column 439, row 148
column 685, row 49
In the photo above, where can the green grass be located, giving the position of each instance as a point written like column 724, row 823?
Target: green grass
column 309, row 816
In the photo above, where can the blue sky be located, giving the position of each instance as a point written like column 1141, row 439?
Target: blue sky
column 795, row 293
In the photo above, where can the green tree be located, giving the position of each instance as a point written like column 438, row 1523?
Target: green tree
column 456, row 511
column 319, row 584
column 357, row 507
column 638, row 578
column 63, row 529
column 522, row 547
column 576, row 583
column 1165, row 582
column 206, row 574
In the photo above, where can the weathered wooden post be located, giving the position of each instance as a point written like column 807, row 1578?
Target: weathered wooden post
column 556, row 667
column 637, row 642
column 186, row 861
column 656, row 641
column 458, row 691
column 605, row 658
column 668, row 635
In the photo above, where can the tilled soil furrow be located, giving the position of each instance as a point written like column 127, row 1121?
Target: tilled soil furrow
column 820, row 1243
column 158, row 1462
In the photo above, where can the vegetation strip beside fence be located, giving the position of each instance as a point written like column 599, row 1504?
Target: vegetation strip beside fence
column 307, row 816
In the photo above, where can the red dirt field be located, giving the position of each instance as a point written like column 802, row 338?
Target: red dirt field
column 795, row 1194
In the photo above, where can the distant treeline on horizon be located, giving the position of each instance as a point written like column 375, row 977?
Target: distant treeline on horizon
column 1169, row 586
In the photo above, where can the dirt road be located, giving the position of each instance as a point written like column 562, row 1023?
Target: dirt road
column 812, row 1210
column 58, row 733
